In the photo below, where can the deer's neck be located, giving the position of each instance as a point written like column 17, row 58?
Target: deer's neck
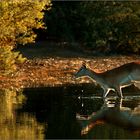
column 96, row 77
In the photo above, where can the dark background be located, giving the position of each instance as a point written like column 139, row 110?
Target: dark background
column 102, row 28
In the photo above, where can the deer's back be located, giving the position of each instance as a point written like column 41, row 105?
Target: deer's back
column 117, row 74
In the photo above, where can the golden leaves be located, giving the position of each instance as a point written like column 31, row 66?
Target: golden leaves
column 19, row 17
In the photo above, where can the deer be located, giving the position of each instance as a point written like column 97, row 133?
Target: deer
column 114, row 79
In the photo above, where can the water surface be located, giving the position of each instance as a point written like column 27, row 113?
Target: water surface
column 63, row 112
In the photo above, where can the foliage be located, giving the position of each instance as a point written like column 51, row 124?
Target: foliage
column 113, row 24
column 18, row 18
column 106, row 26
column 61, row 20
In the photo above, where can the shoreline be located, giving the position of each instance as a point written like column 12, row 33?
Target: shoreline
column 52, row 72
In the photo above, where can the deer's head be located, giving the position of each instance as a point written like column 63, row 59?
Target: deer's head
column 82, row 71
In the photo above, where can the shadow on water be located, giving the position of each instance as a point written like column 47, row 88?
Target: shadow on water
column 67, row 112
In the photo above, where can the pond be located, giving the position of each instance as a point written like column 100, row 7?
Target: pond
column 68, row 112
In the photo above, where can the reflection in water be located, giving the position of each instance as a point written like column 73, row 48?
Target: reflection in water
column 56, row 108
column 118, row 116
column 13, row 126
column 65, row 112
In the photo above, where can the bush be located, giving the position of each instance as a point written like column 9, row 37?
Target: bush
column 18, row 18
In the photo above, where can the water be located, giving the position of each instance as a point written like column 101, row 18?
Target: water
column 68, row 112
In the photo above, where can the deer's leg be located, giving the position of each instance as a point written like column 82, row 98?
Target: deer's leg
column 106, row 91
column 137, row 84
column 119, row 92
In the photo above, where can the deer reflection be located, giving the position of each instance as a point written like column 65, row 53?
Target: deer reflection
column 113, row 112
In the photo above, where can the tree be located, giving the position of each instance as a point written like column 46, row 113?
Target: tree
column 104, row 26
column 18, row 18
column 112, row 25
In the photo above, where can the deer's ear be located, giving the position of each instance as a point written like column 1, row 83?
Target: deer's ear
column 84, row 64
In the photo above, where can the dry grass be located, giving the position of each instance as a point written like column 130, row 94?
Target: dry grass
column 59, row 71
